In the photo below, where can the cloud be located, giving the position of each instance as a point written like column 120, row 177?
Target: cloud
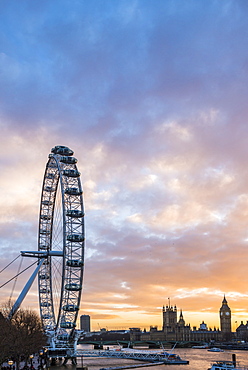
column 152, row 98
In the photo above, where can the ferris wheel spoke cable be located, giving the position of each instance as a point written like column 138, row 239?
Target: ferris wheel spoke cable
column 57, row 289
column 57, row 268
column 17, row 275
column 58, row 202
column 57, row 292
column 56, row 286
column 57, row 215
column 15, row 281
column 57, row 233
column 10, row 263
column 57, row 244
column 56, row 272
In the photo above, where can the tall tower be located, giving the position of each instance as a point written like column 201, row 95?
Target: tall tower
column 181, row 321
column 225, row 317
column 85, row 323
column 169, row 317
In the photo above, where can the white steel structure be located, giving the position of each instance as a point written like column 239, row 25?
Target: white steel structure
column 61, row 230
column 60, row 252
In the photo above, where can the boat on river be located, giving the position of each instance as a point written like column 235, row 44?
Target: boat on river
column 226, row 365
column 215, row 349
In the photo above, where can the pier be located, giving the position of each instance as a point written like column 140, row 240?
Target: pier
column 161, row 356
column 132, row 366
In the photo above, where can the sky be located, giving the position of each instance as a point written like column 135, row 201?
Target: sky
column 152, row 97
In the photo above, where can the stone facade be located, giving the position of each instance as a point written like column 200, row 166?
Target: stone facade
column 225, row 320
column 225, row 317
column 174, row 329
column 242, row 331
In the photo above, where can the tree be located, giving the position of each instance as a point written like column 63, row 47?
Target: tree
column 22, row 335
column 5, row 335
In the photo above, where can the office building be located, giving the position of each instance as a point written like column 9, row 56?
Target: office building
column 85, row 323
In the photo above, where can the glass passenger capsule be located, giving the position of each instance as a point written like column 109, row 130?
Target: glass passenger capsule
column 74, row 213
column 62, row 150
column 74, row 263
column 73, row 287
column 73, row 191
column 68, row 325
column 70, row 308
column 71, row 173
column 75, row 237
column 68, row 160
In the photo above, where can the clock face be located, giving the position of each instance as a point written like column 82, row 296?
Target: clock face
column 227, row 313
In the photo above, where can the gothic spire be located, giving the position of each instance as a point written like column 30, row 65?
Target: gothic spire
column 224, row 300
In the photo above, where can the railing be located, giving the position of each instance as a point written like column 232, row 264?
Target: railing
column 151, row 356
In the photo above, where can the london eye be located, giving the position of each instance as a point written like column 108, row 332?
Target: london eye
column 60, row 250
column 61, row 239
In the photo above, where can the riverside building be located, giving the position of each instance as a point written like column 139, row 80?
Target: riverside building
column 174, row 328
column 85, row 323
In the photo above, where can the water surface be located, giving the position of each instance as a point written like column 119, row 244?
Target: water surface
column 199, row 359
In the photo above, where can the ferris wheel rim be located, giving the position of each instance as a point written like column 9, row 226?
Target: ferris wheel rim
column 61, row 174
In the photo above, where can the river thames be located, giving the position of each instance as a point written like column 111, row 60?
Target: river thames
column 199, row 359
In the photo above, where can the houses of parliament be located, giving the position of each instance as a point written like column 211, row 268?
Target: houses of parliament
column 175, row 329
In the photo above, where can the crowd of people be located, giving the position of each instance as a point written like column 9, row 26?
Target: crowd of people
column 35, row 364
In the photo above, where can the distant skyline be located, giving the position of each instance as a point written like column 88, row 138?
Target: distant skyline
column 152, row 97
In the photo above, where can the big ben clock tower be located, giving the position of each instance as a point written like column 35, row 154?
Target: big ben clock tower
column 225, row 317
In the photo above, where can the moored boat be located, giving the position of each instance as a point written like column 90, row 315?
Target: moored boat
column 215, row 349
column 227, row 365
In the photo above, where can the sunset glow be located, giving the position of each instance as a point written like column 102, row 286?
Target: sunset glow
column 152, row 97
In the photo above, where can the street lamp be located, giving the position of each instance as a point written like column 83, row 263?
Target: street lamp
column 10, row 363
column 31, row 360
column 46, row 357
column 41, row 356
